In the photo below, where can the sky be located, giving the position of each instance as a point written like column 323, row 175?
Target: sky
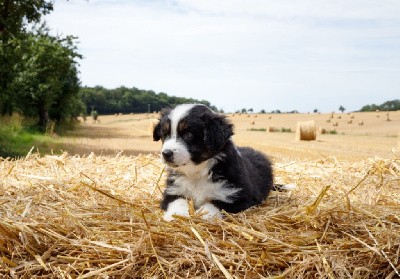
column 260, row 54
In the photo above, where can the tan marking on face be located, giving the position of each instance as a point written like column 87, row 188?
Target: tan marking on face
column 166, row 127
column 183, row 125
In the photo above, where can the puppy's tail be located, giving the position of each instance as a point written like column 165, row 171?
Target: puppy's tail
column 283, row 187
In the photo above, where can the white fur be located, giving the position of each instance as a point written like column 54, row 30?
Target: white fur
column 209, row 211
column 177, row 207
column 196, row 184
column 176, row 116
column 181, row 152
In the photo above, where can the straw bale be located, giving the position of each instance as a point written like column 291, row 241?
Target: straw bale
column 306, row 130
column 271, row 129
column 98, row 217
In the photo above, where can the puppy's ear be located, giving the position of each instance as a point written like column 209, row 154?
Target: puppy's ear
column 157, row 132
column 217, row 131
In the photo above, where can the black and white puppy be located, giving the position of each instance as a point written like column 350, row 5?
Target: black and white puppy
column 205, row 166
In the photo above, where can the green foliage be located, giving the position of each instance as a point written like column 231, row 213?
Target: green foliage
column 38, row 72
column 47, row 85
column 15, row 15
column 257, row 130
column 94, row 115
column 282, row 130
column 286, row 130
column 387, row 106
column 129, row 100
column 18, row 143
column 342, row 109
column 18, row 136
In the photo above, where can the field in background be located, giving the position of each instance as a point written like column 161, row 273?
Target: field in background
column 132, row 134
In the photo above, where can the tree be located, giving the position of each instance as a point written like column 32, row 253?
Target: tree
column 15, row 15
column 47, row 84
column 342, row 109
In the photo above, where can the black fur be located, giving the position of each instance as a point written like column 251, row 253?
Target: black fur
column 244, row 169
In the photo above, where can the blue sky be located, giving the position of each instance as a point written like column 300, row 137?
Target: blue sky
column 260, row 54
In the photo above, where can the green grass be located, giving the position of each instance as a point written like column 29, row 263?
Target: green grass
column 18, row 141
column 282, row 130
column 286, row 130
column 332, row 132
column 257, row 130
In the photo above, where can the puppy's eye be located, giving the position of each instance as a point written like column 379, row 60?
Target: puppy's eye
column 188, row 136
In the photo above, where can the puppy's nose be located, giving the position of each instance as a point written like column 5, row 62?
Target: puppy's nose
column 168, row 154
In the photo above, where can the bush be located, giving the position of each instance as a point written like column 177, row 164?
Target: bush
column 286, row 130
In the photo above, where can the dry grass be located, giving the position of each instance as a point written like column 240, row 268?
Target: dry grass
column 98, row 217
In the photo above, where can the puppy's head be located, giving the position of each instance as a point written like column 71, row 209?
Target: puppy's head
column 191, row 134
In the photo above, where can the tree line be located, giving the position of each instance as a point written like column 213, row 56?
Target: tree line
column 129, row 100
column 388, row 106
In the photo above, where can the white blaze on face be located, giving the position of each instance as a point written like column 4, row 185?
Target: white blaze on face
column 174, row 143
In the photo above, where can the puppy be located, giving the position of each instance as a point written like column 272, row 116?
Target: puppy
column 205, row 166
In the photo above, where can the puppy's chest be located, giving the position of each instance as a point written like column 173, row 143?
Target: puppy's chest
column 201, row 190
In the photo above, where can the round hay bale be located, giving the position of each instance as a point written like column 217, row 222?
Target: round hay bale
column 271, row 129
column 306, row 130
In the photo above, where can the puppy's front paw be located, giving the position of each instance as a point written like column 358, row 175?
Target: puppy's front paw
column 209, row 211
column 177, row 207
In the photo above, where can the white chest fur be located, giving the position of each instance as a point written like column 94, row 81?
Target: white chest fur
column 201, row 189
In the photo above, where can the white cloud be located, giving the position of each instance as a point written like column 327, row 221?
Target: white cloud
column 276, row 54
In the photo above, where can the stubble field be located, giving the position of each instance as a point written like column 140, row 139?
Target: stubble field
column 376, row 137
column 92, row 212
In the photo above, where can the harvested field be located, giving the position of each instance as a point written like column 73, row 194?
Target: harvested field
column 98, row 217
column 96, row 214
column 351, row 142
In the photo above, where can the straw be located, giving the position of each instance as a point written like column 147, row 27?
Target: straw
column 98, row 216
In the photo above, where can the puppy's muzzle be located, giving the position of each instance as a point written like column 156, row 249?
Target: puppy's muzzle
column 168, row 155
